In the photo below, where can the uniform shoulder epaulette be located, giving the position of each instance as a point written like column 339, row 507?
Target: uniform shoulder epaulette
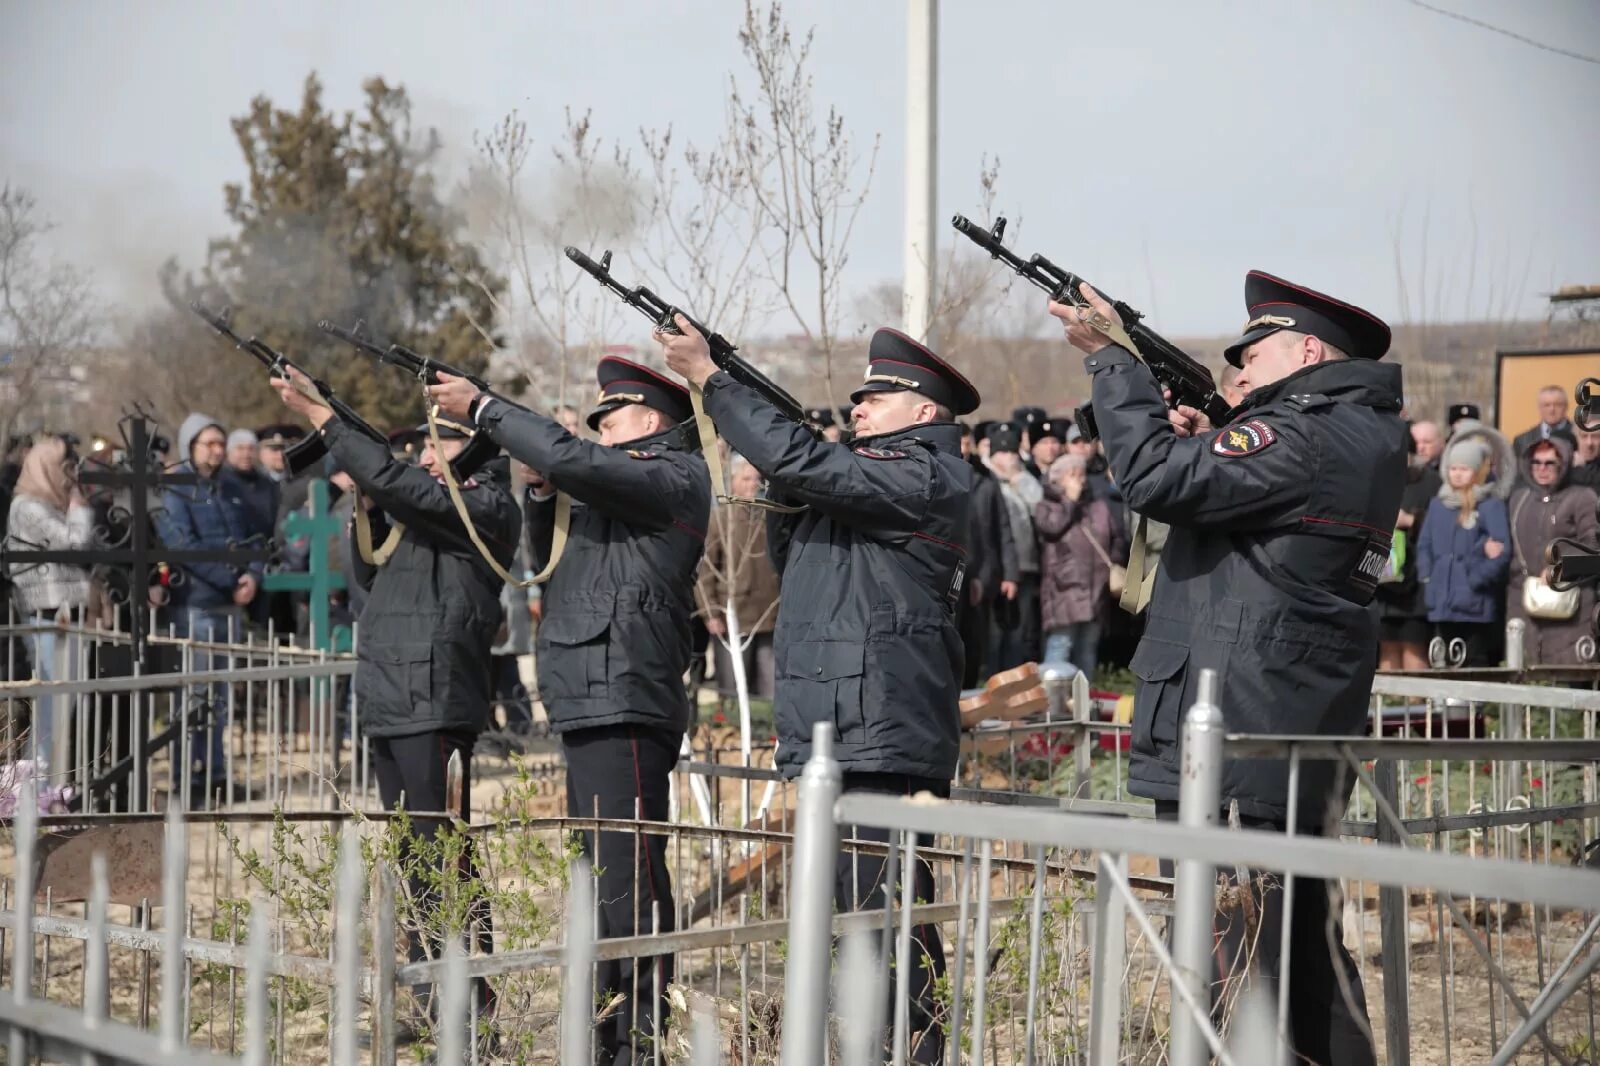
column 880, row 453
column 638, row 454
column 1305, row 401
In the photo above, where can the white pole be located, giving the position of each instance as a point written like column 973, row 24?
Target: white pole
column 922, row 118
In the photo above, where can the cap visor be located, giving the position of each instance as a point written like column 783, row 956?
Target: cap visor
column 1235, row 351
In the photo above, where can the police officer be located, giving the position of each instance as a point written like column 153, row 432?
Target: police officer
column 423, row 669
column 871, row 575
column 1280, row 525
column 613, row 643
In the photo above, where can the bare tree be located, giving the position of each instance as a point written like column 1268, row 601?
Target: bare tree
column 801, row 174
column 47, row 316
column 588, row 196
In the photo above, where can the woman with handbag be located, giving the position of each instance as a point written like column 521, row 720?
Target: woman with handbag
column 1463, row 555
column 1547, row 508
column 1079, row 573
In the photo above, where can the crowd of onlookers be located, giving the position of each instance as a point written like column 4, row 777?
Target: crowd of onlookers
column 1477, row 518
column 1050, row 535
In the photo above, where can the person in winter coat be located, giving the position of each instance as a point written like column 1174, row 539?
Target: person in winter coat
column 256, row 496
column 1015, row 637
column 49, row 513
column 613, row 641
column 871, row 568
column 207, row 598
column 1280, row 523
column 423, row 679
column 1403, row 627
column 992, row 570
column 1079, row 541
column 1463, row 556
column 1551, row 507
column 736, row 567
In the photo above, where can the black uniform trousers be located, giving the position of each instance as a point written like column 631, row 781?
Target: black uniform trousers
column 622, row 771
column 858, row 885
column 1328, row 1022
column 414, row 767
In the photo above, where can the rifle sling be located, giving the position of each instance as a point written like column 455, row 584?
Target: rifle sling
column 713, row 456
column 558, row 537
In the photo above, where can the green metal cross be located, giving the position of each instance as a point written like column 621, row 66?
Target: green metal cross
column 320, row 579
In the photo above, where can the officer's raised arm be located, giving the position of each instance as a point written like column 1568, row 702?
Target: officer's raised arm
column 883, row 478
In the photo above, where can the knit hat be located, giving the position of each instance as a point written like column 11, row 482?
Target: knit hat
column 240, row 436
column 1472, row 453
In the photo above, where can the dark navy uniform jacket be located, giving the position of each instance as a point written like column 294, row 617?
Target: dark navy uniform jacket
column 613, row 642
column 871, row 574
column 432, row 610
column 1281, row 523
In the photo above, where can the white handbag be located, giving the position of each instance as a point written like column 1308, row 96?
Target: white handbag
column 1539, row 600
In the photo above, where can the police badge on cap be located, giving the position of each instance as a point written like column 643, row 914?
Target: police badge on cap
column 622, row 383
column 1275, row 304
column 895, row 362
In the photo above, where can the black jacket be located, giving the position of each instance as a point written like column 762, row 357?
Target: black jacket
column 871, row 575
column 1281, row 523
column 613, row 642
column 991, row 549
column 432, row 609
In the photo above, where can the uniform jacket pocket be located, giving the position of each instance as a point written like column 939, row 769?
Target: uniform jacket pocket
column 400, row 680
column 1160, row 668
column 821, row 682
column 572, row 655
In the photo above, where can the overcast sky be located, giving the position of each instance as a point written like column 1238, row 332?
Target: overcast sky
column 1161, row 148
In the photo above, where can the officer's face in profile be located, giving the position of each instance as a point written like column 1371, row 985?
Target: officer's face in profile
column 434, row 461
column 1274, row 358
column 889, row 412
column 630, row 422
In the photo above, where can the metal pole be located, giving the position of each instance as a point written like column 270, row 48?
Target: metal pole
column 174, row 891
column 922, row 177
column 816, row 845
column 347, row 946
column 1083, row 740
column 1393, row 930
column 1194, row 887
column 577, row 993
column 1106, row 961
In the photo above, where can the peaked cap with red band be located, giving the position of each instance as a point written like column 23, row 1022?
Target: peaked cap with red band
column 622, row 383
column 895, row 362
column 1275, row 304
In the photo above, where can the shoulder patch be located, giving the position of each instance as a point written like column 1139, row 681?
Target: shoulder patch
column 880, row 453
column 637, row 454
column 1246, row 438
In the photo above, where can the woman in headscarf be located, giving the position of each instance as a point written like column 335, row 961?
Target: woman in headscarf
column 48, row 513
column 1464, row 551
column 1548, row 507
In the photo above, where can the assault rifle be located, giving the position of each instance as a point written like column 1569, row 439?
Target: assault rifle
column 1190, row 383
column 661, row 314
column 480, row 449
column 310, row 449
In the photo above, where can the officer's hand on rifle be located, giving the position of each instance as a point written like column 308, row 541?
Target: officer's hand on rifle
column 687, row 352
column 1074, row 321
column 296, row 394
column 455, row 396
column 1186, row 421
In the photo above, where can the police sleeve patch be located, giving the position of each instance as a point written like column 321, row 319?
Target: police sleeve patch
column 1247, row 438
column 880, row 453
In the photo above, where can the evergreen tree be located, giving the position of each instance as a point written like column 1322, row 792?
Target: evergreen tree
column 340, row 218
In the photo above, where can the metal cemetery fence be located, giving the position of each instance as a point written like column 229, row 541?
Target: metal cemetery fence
column 271, row 930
